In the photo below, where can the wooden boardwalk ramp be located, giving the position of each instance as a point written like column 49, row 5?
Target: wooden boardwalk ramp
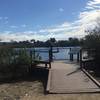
column 68, row 78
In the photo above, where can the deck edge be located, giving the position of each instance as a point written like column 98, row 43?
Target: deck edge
column 91, row 77
column 48, row 82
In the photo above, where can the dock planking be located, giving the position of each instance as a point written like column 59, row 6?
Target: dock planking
column 67, row 77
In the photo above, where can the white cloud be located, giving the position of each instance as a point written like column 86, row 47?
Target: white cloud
column 21, row 36
column 65, row 24
column 61, row 9
column 6, row 18
column 1, row 18
column 24, row 25
column 52, row 30
column 92, row 3
column 58, row 28
column 62, row 31
column 13, row 26
column 21, row 26
column 87, row 19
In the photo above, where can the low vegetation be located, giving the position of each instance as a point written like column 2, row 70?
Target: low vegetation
column 15, row 62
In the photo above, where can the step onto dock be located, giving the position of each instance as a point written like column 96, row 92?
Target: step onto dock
column 68, row 78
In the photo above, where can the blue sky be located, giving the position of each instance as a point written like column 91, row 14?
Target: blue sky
column 42, row 19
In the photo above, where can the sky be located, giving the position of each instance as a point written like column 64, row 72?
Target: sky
column 43, row 19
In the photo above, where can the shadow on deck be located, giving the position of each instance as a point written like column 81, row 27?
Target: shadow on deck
column 67, row 77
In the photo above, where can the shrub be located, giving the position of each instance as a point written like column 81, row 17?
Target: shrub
column 15, row 62
column 92, row 41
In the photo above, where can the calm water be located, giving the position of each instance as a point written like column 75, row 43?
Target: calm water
column 62, row 54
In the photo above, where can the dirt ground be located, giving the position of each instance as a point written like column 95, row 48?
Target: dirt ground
column 34, row 89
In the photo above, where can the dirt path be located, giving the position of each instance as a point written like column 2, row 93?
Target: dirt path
column 31, row 96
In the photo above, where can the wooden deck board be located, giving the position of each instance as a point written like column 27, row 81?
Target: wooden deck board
column 68, row 78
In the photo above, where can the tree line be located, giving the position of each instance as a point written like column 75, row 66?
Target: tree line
column 52, row 41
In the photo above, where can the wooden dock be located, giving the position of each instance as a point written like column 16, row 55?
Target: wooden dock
column 67, row 77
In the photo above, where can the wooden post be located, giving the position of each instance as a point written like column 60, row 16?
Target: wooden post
column 31, row 56
column 81, row 58
column 30, row 67
column 51, row 54
column 50, row 59
column 71, row 55
column 78, row 55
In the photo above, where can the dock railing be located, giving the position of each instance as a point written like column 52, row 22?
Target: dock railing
column 48, row 51
column 87, row 58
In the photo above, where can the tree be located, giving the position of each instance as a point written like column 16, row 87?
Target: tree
column 92, row 41
column 50, row 42
column 32, row 41
column 53, row 40
column 74, row 41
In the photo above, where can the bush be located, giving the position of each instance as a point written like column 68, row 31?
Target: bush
column 5, row 56
column 15, row 62
column 23, row 58
column 92, row 41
